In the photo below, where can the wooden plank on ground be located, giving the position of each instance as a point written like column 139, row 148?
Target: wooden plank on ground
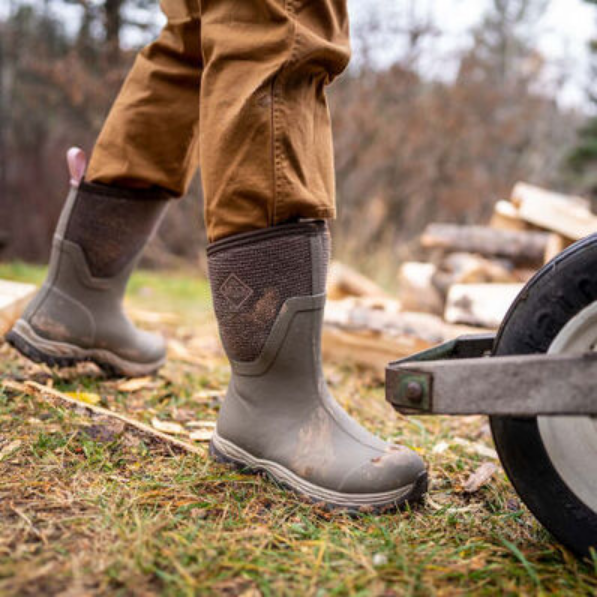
column 569, row 216
column 373, row 333
column 14, row 297
column 480, row 304
column 368, row 349
column 54, row 396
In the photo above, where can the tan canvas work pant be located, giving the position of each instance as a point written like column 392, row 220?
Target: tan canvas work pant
column 253, row 73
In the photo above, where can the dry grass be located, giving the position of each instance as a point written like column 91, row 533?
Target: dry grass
column 89, row 509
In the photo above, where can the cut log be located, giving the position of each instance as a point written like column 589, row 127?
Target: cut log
column 556, row 244
column 361, row 313
column 14, row 297
column 468, row 268
column 344, row 281
column 516, row 245
column 505, row 217
column 372, row 333
column 567, row 215
column 480, row 304
column 523, row 275
column 417, row 290
column 523, row 191
column 367, row 349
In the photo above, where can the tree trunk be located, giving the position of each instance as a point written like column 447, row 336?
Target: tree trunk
column 113, row 26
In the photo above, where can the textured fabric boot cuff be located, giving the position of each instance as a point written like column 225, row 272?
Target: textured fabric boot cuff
column 310, row 228
column 253, row 274
column 112, row 225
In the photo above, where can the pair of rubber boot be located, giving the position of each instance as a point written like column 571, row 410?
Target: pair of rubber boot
column 269, row 293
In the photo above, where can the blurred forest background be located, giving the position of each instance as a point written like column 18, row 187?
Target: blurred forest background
column 410, row 148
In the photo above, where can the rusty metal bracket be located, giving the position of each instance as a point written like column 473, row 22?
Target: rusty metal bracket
column 460, row 378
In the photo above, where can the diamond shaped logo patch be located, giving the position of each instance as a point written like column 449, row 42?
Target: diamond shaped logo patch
column 235, row 291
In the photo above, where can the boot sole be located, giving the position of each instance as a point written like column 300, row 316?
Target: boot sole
column 226, row 452
column 31, row 345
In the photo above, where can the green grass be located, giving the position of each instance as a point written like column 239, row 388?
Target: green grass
column 179, row 292
column 22, row 272
column 90, row 510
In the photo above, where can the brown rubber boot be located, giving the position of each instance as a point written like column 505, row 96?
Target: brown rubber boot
column 278, row 415
column 77, row 315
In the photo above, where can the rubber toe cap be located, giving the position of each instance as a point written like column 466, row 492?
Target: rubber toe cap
column 151, row 347
column 392, row 469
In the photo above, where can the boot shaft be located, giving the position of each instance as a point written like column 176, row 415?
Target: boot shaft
column 111, row 225
column 278, row 415
column 78, row 312
column 254, row 275
column 98, row 240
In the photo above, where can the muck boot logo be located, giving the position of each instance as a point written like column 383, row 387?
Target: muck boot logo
column 235, row 291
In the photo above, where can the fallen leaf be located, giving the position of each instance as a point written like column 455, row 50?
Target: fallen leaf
column 178, row 351
column 204, row 424
column 9, row 449
column 480, row 449
column 87, row 397
column 440, row 447
column 201, row 435
column 480, row 477
column 252, row 592
column 182, row 415
column 209, row 394
column 168, row 427
column 135, row 384
column 240, row 587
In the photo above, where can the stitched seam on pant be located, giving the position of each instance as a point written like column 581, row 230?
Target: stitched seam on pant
column 277, row 117
column 186, row 176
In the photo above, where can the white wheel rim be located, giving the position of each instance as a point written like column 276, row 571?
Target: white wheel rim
column 571, row 442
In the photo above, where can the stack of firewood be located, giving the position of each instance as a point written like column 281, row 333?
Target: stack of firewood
column 469, row 279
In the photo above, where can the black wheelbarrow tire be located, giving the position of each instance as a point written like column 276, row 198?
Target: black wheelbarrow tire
column 555, row 295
